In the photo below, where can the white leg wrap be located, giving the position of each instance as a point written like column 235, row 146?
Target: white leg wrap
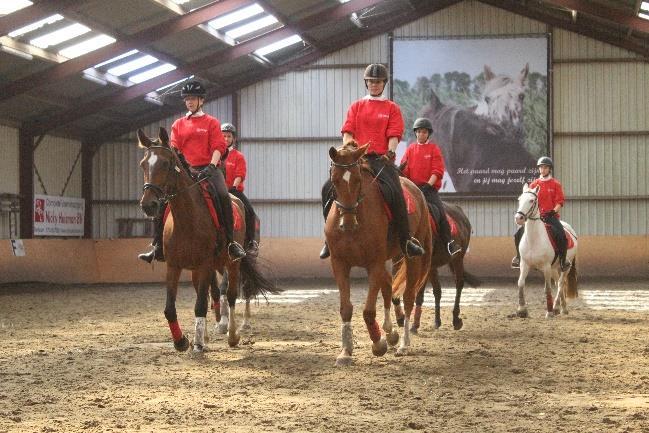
column 225, row 310
column 347, row 336
column 387, row 323
column 199, row 331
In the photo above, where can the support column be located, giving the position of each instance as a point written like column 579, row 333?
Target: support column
column 26, row 182
column 87, row 154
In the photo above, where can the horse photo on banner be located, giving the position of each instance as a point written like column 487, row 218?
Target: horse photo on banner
column 487, row 99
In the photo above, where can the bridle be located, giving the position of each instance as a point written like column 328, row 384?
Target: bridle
column 165, row 195
column 532, row 209
column 352, row 209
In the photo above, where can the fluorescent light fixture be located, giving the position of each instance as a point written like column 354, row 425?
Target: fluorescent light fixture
column 127, row 67
column 235, row 17
column 58, row 36
column 37, row 25
column 96, row 80
column 180, row 2
column 153, row 100
column 87, row 46
column 16, row 52
column 152, row 73
column 343, row 1
column 114, row 59
column 645, row 16
column 9, row 6
column 645, row 6
column 251, row 27
column 174, row 83
column 276, row 46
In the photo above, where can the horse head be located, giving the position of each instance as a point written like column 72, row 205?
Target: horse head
column 528, row 205
column 346, row 178
column 160, row 171
column 503, row 97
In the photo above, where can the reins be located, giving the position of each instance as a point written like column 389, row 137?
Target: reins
column 532, row 209
column 166, row 197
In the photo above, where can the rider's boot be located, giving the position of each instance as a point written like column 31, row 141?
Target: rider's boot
column 413, row 248
column 156, row 252
column 324, row 253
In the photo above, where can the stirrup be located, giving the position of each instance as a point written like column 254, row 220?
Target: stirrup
column 452, row 248
column 413, row 243
column 235, row 251
column 253, row 245
column 324, row 253
column 516, row 263
column 155, row 254
column 565, row 267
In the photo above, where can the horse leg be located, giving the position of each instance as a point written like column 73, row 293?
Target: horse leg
column 222, row 325
column 419, row 302
column 398, row 311
column 341, row 273
column 547, row 276
column 457, row 266
column 437, row 293
column 556, row 305
column 376, row 277
column 391, row 334
column 522, row 307
column 181, row 343
column 245, row 325
column 232, row 293
column 215, row 294
column 204, row 277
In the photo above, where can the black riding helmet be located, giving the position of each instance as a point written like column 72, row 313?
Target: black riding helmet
column 375, row 71
column 193, row 88
column 228, row 127
column 545, row 160
column 422, row 122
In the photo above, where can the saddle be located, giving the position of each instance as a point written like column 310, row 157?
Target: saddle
column 236, row 218
column 435, row 215
column 569, row 237
column 410, row 203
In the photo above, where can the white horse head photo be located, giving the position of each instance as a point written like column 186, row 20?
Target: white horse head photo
column 503, row 97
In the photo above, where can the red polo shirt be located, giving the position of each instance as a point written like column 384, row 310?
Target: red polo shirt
column 374, row 121
column 235, row 166
column 550, row 193
column 197, row 137
column 424, row 160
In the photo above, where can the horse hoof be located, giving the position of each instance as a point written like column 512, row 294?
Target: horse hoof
column 393, row 338
column 245, row 327
column 564, row 311
column 402, row 351
column 438, row 324
column 549, row 315
column 198, row 349
column 522, row 314
column 343, row 361
column 414, row 330
column 458, row 324
column 221, row 329
column 182, row 344
column 380, row 347
column 400, row 321
column 234, row 341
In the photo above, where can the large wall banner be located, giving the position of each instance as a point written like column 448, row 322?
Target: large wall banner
column 58, row 216
column 488, row 102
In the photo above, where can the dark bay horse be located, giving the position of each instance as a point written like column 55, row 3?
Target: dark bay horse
column 189, row 241
column 357, row 234
column 440, row 258
column 474, row 146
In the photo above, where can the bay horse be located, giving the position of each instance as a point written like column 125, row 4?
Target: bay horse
column 189, row 240
column 502, row 97
column 537, row 252
column 473, row 146
column 357, row 232
column 440, row 257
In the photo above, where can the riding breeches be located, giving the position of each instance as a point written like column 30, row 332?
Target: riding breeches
column 250, row 214
column 432, row 198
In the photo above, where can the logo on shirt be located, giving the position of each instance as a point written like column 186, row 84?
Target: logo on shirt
column 201, row 130
column 384, row 116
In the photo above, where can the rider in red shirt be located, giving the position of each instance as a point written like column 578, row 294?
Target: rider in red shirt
column 376, row 120
column 423, row 164
column 235, row 175
column 550, row 201
column 198, row 138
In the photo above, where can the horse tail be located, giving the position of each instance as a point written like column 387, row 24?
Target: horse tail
column 472, row 280
column 571, row 281
column 400, row 274
column 253, row 282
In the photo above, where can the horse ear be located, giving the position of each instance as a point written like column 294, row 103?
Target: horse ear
column 488, row 73
column 361, row 151
column 144, row 141
column 333, row 153
column 435, row 103
column 164, row 136
column 525, row 187
column 524, row 72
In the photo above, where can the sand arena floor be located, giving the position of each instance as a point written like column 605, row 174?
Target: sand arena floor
column 100, row 359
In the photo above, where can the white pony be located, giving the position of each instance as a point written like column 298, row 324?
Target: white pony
column 502, row 98
column 537, row 253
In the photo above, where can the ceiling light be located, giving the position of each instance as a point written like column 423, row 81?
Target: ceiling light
column 9, row 6
column 251, row 27
column 180, row 2
column 645, row 16
column 16, row 52
column 283, row 43
column 94, row 79
column 154, row 100
column 127, row 67
column 58, row 36
column 87, row 46
column 37, row 25
column 645, row 6
column 114, row 59
column 235, row 17
column 152, row 73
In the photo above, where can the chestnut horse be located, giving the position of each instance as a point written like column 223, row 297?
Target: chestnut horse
column 440, row 258
column 190, row 238
column 357, row 234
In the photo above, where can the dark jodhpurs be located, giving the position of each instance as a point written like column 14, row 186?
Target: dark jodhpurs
column 250, row 214
column 388, row 182
column 432, row 198
column 557, row 231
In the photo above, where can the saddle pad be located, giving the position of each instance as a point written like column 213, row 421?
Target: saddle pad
column 571, row 241
column 236, row 218
column 410, row 204
column 451, row 222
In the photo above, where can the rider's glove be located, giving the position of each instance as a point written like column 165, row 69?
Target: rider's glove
column 206, row 172
column 549, row 214
column 390, row 157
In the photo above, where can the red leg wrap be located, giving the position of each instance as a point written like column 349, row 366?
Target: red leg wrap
column 548, row 300
column 176, row 333
column 216, row 304
column 375, row 331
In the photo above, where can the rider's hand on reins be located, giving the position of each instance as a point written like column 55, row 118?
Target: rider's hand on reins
column 206, row 172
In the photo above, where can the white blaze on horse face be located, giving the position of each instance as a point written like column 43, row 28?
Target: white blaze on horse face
column 153, row 158
column 347, row 176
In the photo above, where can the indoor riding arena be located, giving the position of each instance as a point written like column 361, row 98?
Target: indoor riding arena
column 258, row 333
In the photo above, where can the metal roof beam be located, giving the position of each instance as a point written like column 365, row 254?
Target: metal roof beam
column 599, row 10
column 137, row 40
column 231, row 53
column 268, row 7
column 35, row 12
